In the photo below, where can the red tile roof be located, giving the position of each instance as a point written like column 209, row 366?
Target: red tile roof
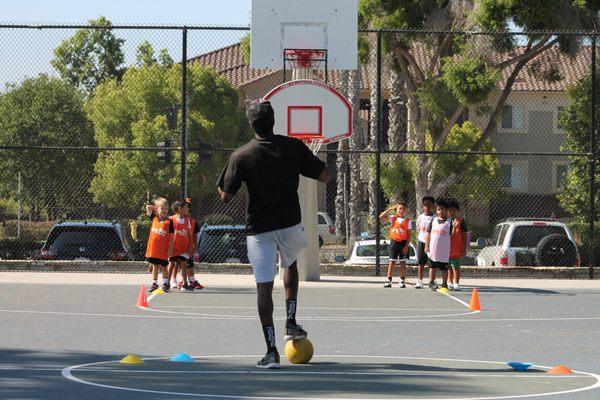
column 229, row 62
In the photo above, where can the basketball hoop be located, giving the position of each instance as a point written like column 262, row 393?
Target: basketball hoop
column 304, row 62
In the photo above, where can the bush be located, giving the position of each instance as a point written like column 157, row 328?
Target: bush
column 20, row 249
column 30, row 230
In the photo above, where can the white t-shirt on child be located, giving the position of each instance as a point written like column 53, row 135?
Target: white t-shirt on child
column 422, row 224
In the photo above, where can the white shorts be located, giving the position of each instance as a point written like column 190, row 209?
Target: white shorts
column 263, row 249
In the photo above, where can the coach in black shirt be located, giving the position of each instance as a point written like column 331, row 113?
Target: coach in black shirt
column 271, row 166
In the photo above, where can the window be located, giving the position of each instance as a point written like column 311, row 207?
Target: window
column 529, row 236
column 561, row 172
column 513, row 176
column 512, row 117
column 321, row 220
column 559, row 126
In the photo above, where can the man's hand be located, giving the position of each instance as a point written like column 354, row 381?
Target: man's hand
column 226, row 197
column 324, row 177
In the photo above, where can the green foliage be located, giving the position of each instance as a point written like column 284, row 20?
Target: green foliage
column 469, row 79
column 145, row 56
column 575, row 120
column 45, row 111
column 131, row 112
column 245, row 48
column 398, row 173
column 90, row 56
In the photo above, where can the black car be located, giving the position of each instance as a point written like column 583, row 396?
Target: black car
column 87, row 241
column 222, row 244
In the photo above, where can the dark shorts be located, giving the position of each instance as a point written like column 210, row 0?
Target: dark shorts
column 422, row 258
column 157, row 261
column 178, row 258
column 397, row 250
column 442, row 266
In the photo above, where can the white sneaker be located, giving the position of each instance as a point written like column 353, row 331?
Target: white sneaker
column 450, row 286
column 419, row 284
column 456, row 288
column 402, row 284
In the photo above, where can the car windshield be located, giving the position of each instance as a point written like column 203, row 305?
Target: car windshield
column 496, row 234
column 223, row 238
column 368, row 250
column 92, row 237
column 530, row 235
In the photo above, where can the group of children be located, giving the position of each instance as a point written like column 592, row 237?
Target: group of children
column 442, row 241
column 171, row 245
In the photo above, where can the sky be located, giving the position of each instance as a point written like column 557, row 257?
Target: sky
column 27, row 52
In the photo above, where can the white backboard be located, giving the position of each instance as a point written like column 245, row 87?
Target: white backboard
column 308, row 110
column 330, row 25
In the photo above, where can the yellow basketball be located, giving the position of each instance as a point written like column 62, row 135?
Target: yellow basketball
column 299, row 351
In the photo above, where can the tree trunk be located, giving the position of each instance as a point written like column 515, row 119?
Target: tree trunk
column 373, row 129
column 356, row 201
column 341, row 159
column 397, row 118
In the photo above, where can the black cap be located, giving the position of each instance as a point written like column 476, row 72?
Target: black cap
column 261, row 116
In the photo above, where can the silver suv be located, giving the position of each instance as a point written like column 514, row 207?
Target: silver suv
column 529, row 242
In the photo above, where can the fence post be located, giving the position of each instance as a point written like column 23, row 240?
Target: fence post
column 184, row 133
column 592, row 162
column 378, row 159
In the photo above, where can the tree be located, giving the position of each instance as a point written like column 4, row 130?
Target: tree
column 45, row 111
column 145, row 56
column 444, row 74
column 576, row 122
column 131, row 112
column 91, row 56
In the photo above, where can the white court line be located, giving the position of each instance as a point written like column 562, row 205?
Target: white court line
column 329, row 318
column 68, row 373
column 338, row 373
column 550, row 319
column 321, row 308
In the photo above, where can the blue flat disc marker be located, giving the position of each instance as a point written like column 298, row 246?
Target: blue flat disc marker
column 519, row 366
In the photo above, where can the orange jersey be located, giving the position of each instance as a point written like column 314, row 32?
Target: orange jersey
column 183, row 235
column 399, row 229
column 159, row 239
column 456, row 239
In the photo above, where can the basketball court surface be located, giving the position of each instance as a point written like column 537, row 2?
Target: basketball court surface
column 64, row 336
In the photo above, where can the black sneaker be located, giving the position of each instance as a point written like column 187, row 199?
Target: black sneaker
column 269, row 361
column 433, row 286
column 186, row 288
column 166, row 287
column 153, row 287
column 294, row 332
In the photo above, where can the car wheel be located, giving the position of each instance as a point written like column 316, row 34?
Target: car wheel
column 555, row 250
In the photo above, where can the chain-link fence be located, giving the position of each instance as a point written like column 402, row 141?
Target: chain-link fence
column 96, row 122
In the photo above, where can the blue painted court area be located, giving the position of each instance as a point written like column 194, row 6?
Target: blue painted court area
column 64, row 341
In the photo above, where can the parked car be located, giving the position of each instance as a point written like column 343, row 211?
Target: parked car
column 326, row 229
column 363, row 253
column 222, row 244
column 529, row 242
column 78, row 240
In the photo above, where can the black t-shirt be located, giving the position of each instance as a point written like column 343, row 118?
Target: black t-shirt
column 270, row 167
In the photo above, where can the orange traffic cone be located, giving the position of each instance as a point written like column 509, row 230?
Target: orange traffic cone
column 475, row 306
column 560, row 370
column 142, row 300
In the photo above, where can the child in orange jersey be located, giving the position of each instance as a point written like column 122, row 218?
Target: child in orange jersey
column 399, row 241
column 182, row 244
column 458, row 244
column 160, row 241
column 190, row 266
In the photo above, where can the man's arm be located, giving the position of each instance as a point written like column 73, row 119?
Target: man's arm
column 230, row 180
